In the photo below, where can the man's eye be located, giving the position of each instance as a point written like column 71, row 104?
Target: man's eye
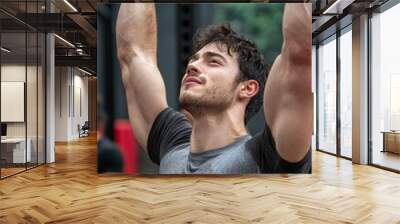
column 215, row 62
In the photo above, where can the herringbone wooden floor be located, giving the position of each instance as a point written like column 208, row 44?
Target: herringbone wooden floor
column 70, row 191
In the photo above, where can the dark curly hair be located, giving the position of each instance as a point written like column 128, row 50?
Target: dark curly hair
column 251, row 61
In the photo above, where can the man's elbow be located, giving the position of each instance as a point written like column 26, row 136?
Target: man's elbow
column 297, row 53
column 125, row 52
column 125, row 61
column 297, row 64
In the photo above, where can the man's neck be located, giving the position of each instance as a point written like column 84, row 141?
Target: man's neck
column 213, row 131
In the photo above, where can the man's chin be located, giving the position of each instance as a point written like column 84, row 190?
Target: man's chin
column 189, row 101
column 190, row 95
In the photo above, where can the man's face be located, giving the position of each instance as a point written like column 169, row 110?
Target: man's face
column 209, row 83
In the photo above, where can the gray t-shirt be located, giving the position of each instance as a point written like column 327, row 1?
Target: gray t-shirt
column 169, row 146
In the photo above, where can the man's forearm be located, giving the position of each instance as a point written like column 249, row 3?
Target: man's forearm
column 297, row 33
column 137, row 31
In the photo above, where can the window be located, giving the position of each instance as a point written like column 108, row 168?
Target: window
column 385, row 88
column 327, row 96
column 22, row 76
column 314, row 81
column 346, row 93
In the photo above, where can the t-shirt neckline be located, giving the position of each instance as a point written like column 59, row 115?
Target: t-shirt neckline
column 212, row 152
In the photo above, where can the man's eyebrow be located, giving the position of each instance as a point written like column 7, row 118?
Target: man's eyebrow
column 194, row 57
column 208, row 54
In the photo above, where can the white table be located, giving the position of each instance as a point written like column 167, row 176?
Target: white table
column 18, row 145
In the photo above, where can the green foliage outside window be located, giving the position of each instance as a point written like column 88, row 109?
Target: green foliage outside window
column 259, row 22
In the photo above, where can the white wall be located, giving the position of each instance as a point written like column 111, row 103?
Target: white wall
column 61, row 103
column 80, row 100
column 13, row 72
column 71, row 87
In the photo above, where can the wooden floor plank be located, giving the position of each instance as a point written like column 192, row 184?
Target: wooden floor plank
column 70, row 191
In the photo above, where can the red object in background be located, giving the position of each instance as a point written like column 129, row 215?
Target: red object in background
column 126, row 142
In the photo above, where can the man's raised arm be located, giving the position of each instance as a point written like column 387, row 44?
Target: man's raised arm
column 136, row 33
column 288, row 101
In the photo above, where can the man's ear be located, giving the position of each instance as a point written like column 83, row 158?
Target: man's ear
column 248, row 89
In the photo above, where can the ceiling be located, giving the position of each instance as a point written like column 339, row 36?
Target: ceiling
column 72, row 20
column 330, row 15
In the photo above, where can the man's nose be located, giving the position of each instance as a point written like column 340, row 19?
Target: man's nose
column 192, row 69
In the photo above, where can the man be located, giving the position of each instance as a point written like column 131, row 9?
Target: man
column 222, row 88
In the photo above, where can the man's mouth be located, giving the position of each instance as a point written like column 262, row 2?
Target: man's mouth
column 192, row 81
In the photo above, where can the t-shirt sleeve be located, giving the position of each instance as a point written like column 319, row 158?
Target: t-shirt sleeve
column 169, row 129
column 267, row 157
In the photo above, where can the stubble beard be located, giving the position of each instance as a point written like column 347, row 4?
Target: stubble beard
column 214, row 101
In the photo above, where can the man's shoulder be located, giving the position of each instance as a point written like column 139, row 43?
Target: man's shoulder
column 173, row 118
column 169, row 130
